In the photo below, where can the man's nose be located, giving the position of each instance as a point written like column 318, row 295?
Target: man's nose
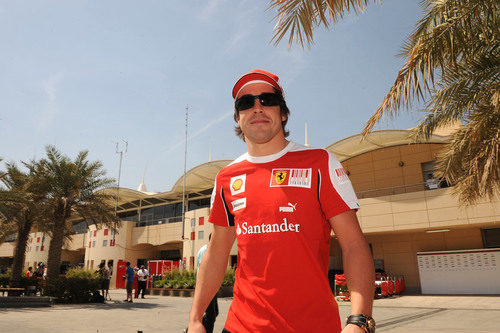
column 257, row 107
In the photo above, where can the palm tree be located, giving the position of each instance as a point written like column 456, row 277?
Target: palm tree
column 453, row 65
column 298, row 18
column 73, row 191
column 20, row 203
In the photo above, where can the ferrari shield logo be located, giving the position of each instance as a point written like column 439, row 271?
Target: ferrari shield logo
column 291, row 177
column 280, row 177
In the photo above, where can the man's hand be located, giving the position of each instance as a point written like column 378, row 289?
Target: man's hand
column 196, row 327
column 351, row 328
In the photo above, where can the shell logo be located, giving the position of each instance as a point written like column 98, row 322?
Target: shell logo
column 237, row 184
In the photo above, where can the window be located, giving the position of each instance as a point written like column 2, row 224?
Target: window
column 106, row 231
column 193, row 222
column 111, row 243
column 105, row 242
column 41, row 248
column 38, row 239
column 201, row 234
column 201, row 220
column 192, row 235
column 90, row 244
column 93, row 244
column 95, row 232
column 37, row 248
column 491, row 237
column 129, row 216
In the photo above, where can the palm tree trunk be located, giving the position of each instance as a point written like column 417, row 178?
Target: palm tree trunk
column 55, row 248
column 20, row 253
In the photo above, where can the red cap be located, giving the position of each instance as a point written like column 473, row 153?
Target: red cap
column 255, row 76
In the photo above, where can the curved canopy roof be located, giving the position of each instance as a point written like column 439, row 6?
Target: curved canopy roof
column 201, row 178
column 355, row 145
column 198, row 179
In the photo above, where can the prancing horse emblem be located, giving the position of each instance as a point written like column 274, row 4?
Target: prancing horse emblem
column 280, row 177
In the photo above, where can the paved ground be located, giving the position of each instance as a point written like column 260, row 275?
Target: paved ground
column 443, row 314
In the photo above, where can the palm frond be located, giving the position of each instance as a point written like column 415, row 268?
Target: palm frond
column 298, row 18
column 471, row 160
column 452, row 32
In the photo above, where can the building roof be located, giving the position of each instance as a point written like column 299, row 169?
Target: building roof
column 201, row 177
column 356, row 145
column 198, row 179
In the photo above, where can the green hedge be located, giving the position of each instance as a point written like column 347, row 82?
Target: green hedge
column 228, row 278
column 186, row 279
column 73, row 290
column 25, row 281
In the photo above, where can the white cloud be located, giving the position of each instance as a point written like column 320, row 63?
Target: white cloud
column 200, row 131
column 210, row 9
column 49, row 87
column 294, row 62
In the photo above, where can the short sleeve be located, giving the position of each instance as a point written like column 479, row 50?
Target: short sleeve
column 219, row 211
column 336, row 194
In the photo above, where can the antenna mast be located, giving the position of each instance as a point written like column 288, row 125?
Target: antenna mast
column 184, row 176
column 120, row 152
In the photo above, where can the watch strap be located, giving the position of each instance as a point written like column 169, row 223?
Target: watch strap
column 365, row 322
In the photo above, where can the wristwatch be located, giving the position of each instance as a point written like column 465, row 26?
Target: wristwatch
column 365, row 322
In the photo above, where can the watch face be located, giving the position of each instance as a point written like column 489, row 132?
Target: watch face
column 370, row 325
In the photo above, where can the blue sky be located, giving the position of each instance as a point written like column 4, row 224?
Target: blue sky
column 82, row 75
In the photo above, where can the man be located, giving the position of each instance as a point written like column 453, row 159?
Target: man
column 105, row 275
column 212, row 311
column 130, row 281
column 431, row 182
column 142, row 278
column 280, row 201
column 110, row 270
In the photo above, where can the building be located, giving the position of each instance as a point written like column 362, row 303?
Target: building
column 402, row 213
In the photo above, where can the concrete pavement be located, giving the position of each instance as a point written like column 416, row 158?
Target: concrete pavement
column 441, row 314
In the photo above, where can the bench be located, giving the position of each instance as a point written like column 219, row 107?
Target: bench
column 11, row 291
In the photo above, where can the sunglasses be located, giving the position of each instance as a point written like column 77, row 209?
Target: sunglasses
column 248, row 101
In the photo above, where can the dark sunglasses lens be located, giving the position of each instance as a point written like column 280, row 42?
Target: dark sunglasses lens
column 244, row 103
column 269, row 99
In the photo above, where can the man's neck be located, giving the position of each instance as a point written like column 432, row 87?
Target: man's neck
column 274, row 146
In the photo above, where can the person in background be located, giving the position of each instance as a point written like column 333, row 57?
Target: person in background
column 39, row 270
column 130, row 281
column 142, row 279
column 431, row 182
column 110, row 274
column 104, row 273
column 29, row 272
column 212, row 311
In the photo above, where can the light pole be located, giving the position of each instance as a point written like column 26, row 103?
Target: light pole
column 120, row 152
column 184, row 176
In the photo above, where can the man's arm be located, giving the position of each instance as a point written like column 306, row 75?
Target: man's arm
column 357, row 260
column 210, row 274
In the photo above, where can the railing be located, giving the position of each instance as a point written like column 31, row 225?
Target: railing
column 394, row 190
column 174, row 219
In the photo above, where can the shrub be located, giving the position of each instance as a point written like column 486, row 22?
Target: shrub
column 73, row 290
column 159, row 284
column 4, row 279
column 81, row 273
column 176, row 279
column 228, row 278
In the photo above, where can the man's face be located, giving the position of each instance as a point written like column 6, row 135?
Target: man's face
column 260, row 124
